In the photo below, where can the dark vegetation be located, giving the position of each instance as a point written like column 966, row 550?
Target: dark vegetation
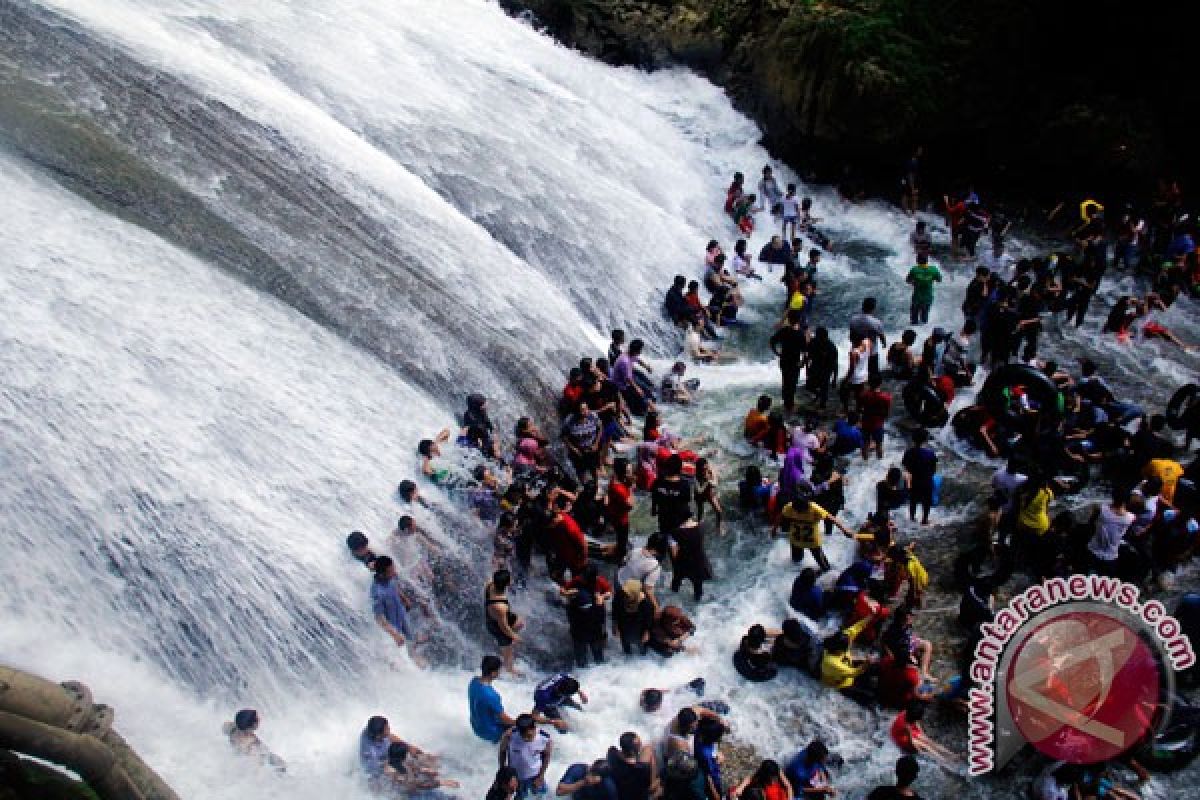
column 1036, row 99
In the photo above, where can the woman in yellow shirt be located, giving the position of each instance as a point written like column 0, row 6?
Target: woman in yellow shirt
column 1034, row 516
column 840, row 670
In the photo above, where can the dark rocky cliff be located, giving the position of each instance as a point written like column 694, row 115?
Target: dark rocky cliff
column 1034, row 97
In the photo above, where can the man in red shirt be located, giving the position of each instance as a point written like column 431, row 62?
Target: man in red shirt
column 572, row 393
column 618, row 503
column 570, row 545
column 900, row 682
column 876, row 406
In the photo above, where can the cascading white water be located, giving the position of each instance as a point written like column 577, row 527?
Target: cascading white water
column 448, row 202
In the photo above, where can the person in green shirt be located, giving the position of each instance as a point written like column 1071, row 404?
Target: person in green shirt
column 922, row 277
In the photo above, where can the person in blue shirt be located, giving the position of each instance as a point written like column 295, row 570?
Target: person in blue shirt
column 921, row 463
column 852, row 580
column 551, row 695
column 807, row 596
column 849, row 436
column 388, row 604
column 708, row 738
column 488, row 719
column 807, row 772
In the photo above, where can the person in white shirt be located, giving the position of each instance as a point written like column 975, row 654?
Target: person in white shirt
column 1005, row 482
column 1111, row 523
column 643, row 565
column 742, row 261
column 695, row 349
column 768, row 191
column 791, row 212
column 527, row 749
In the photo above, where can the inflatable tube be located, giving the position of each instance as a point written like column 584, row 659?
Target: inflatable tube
column 966, row 422
column 924, row 404
column 1087, row 207
column 1183, row 411
column 1187, row 613
column 752, row 673
column 1173, row 749
column 1038, row 387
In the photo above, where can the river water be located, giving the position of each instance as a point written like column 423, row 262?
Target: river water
column 253, row 252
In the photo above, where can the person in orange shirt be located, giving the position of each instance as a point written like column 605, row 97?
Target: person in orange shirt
column 1168, row 472
column 757, row 424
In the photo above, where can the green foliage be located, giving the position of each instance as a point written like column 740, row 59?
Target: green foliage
column 891, row 51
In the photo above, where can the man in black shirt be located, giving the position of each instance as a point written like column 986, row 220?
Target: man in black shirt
column 631, row 768
column 907, row 770
column 998, row 331
column 976, row 295
column 671, row 496
column 790, row 345
column 675, row 306
column 1029, row 325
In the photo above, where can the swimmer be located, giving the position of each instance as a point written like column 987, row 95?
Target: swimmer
column 359, row 547
column 552, row 694
column 244, row 739
column 407, row 775
column 430, row 449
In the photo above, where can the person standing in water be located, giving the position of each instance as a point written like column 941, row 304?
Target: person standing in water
column 499, row 618
column 822, row 366
column 390, row 606
column 922, row 277
column 921, row 464
column 921, row 241
column 803, row 519
column 865, row 325
column 622, row 375
column 527, row 749
column 768, row 191
column 790, row 345
column 618, row 503
column 790, row 207
column 488, row 719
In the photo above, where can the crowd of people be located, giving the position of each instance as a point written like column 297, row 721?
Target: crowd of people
column 562, row 508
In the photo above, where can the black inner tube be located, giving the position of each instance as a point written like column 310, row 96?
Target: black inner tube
column 1037, row 385
column 1183, row 410
column 924, row 404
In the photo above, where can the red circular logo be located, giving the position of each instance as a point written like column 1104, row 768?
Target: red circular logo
column 1083, row 687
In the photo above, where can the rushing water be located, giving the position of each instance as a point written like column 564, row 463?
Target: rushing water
column 252, row 254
